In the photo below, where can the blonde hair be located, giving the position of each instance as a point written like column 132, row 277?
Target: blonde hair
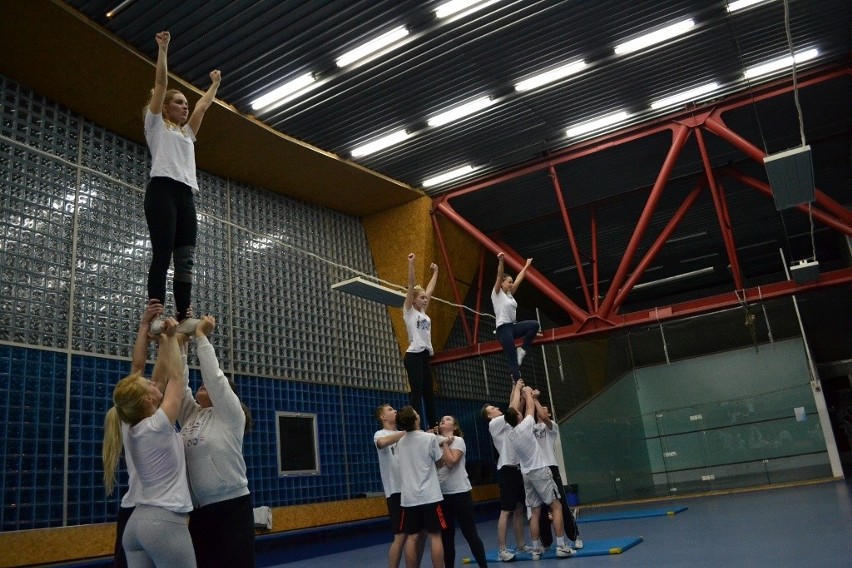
column 128, row 400
column 170, row 94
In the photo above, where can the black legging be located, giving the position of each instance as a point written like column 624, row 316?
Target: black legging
column 223, row 533
column 572, row 531
column 421, row 383
column 173, row 227
column 458, row 509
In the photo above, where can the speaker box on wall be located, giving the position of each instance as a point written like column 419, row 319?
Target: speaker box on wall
column 791, row 176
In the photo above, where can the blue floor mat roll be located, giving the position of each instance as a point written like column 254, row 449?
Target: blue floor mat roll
column 637, row 514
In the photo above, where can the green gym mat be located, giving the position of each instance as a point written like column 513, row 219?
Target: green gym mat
column 637, row 514
column 592, row 548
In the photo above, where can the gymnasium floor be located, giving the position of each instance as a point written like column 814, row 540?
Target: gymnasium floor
column 809, row 525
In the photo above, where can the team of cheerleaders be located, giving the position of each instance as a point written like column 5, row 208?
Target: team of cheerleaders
column 187, row 502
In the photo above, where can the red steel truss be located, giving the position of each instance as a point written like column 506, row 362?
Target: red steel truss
column 600, row 317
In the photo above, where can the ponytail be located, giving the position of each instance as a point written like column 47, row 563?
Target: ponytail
column 111, row 448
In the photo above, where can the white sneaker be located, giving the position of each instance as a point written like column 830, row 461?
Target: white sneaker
column 156, row 326
column 187, row 326
column 578, row 544
column 564, row 551
column 536, row 553
column 521, row 354
column 505, row 555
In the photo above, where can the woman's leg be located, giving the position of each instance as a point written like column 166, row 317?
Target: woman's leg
column 506, row 337
column 464, row 516
column 223, row 534
column 429, row 391
column 448, row 535
column 161, row 216
column 414, row 368
column 163, row 536
column 526, row 329
column 186, row 234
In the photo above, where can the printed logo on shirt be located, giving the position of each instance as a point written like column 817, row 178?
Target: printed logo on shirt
column 423, row 323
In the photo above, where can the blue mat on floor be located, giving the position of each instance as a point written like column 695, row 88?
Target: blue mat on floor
column 592, row 548
column 637, row 514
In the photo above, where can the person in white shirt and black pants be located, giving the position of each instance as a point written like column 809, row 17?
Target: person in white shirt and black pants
column 421, row 498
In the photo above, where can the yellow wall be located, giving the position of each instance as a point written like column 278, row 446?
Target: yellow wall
column 394, row 233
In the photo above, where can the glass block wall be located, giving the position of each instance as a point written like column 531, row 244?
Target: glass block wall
column 74, row 252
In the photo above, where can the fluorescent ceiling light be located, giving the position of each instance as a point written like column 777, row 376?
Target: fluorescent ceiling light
column 114, row 12
column 670, row 279
column 460, row 111
column 372, row 46
column 550, row 76
column 380, row 143
column 741, row 4
column 570, row 268
column 447, row 176
column 285, row 92
column 686, row 237
column 657, row 36
column 597, row 123
column 453, row 7
column 685, row 96
column 778, row 64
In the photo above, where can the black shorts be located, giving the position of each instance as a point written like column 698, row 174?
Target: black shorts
column 424, row 517
column 394, row 512
column 511, row 488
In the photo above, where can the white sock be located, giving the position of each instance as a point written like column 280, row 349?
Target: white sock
column 521, row 353
column 560, row 541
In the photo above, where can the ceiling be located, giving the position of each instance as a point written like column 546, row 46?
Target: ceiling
column 259, row 45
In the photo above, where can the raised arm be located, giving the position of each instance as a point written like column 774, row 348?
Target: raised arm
column 520, row 277
column 515, row 397
column 204, row 103
column 168, row 356
column 500, row 272
column 432, row 281
column 412, row 293
column 161, row 75
column 140, row 347
column 540, row 411
column 215, row 381
column 529, row 402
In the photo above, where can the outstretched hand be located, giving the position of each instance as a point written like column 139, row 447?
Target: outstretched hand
column 205, row 326
column 153, row 309
column 529, row 261
column 501, row 255
column 170, row 326
column 411, row 257
column 434, row 267
column 163, row 39
column 216, row 76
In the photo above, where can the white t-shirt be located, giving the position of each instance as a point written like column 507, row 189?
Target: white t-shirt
column 499, row 431
column 418, row 452
column 505, row 307
column 526, row 446
column 388, row 463
column 419, row 328
column 454, row 479
column 157, row 451
column 546, row 438
column 134, row 491
column 172, row 151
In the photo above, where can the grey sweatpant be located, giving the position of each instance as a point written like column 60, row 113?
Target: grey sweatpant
column 157, row 537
